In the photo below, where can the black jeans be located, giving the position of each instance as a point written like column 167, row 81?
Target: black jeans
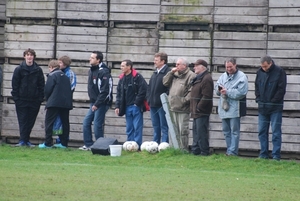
column 200, row 136
column 26, row 118
column 51, row 115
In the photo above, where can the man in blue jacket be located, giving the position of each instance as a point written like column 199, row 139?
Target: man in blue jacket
column 270, row 88
column 100, row 86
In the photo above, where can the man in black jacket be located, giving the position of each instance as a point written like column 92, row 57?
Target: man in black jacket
column 28, row 84
column 270, row 88
column 131, row 93
column 58, row 95
column 100, row 86
column 155, row 89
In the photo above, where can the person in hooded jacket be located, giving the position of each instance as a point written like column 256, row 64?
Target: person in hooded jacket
column 58, row 95
column 270, row 88
column 100, row 89
column 28, row 84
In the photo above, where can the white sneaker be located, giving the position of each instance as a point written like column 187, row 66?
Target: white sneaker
column 85, row 148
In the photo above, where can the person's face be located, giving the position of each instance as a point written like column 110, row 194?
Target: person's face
column 93, row 60
column 265, row 66
column 125, row 69
column 180, row 66
column 61, row 65
column 199, row 68
column 50, row 69
column 230, row 68
column 29, row 58
column 158, row 62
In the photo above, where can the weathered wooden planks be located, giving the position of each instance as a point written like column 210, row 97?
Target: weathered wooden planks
column 82, row 10
column 246, row 47
column 284, row 12
column 241, row 12
column 78, row 42
column 127, row 49
column 30, row 9
column 146, row 11
column 173, row 11
column 284, row 48
column 191, row 45
column 20, row 37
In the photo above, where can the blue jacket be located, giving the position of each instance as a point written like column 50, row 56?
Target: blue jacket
column 270, row 88
column 237, row 89
column 72, row 76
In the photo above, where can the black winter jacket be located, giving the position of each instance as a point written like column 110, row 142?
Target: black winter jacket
column 270, row 88
column 28, row 85
column 58, row 92
column 139, row 87
column 100, row 85
column 156, row 87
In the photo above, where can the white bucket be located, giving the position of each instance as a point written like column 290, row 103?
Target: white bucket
column 115, row 150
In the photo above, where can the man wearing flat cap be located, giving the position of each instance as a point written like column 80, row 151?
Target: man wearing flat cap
column 201, row 104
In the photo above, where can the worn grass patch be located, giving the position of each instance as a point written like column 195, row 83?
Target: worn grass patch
column 54, row 174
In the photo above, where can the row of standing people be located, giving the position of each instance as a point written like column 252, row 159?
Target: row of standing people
column 190, row 94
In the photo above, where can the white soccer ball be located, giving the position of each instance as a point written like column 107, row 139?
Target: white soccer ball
column 152, row 147
column 132, row 146
column 125, row 145
column 163, row 146
column 144, row 145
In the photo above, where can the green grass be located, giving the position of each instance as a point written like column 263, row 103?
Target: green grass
column 54, row 174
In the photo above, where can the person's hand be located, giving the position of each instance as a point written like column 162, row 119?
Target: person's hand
column 223, row 91
column 117, row 111
column 174, row 70
column 94, row 108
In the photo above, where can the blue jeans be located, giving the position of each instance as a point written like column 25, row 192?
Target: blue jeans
column 98, row 118
column 264, row 121
column 159, row 123
column 134, row 124
column 231, row 130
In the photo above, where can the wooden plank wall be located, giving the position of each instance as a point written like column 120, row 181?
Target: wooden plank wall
column 136, row 30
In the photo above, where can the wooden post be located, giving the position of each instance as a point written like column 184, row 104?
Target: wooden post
column 172, row 128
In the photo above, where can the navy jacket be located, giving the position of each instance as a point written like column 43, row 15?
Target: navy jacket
column 156, row 87
column 58, row 92
column 270, row 88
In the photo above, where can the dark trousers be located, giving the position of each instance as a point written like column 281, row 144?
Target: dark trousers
column 51, row 115
column 26, row 119
column 200, row 136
